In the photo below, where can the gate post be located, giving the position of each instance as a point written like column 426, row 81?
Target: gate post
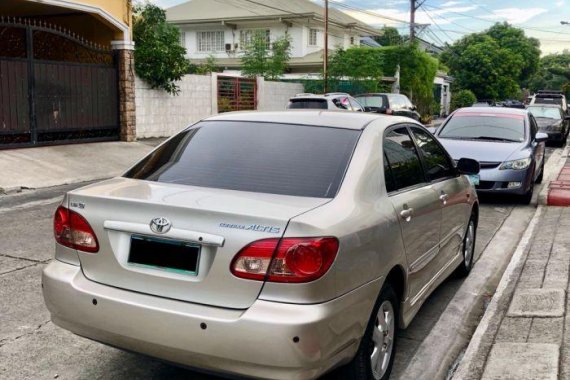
column 125, row 56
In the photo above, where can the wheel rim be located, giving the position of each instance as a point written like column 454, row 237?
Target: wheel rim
column 468, row 244
column 383, row 340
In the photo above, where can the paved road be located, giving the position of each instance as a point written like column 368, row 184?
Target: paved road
column 32, row 347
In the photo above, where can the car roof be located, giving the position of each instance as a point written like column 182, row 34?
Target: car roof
column 496, row 110
column 322, row 118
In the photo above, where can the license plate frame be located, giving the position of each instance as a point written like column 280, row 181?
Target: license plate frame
column 184, row 257
column 474, row 179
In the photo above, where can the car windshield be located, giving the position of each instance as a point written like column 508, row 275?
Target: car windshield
column 548, row 112
column 308, row 104
column 258, row 157
column 479, row 126
column 371, row 101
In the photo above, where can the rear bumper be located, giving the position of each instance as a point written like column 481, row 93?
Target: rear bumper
column 258, row 342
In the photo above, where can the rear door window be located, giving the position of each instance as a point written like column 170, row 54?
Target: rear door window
column 308, row 104
column 273, row 158
column 403, row 160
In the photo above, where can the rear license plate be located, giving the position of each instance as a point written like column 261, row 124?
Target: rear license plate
column 170, row 255
column 474, row 179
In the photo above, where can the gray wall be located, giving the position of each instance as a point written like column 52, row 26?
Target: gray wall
column 159, row 114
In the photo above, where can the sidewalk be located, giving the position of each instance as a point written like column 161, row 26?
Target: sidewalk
column 525, row 332
column 35, row 168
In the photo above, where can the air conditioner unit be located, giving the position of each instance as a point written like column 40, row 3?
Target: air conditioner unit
column 228, row 47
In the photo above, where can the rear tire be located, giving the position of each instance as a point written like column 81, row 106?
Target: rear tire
column 468, row 249
column 375, row 356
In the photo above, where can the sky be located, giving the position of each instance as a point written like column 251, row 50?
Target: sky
column 449, row 20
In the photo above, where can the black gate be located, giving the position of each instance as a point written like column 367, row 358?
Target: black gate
column 54, row 87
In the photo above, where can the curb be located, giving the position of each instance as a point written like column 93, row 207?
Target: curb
column 9, row 190
column 474, row 360
column 552, row 174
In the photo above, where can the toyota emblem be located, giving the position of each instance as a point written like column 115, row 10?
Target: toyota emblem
column 160, row 225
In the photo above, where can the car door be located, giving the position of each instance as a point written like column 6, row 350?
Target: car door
column 452, row 193
column 538, row 149
column 417, row 206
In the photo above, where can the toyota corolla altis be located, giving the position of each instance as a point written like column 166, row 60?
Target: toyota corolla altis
column 271, row 245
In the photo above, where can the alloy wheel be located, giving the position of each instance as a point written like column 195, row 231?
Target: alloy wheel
column 383, row 339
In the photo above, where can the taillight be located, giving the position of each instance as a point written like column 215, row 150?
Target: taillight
column 73, row 231
column 389, row 111
column 289, row 260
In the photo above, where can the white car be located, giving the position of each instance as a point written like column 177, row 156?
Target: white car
column 271, row 245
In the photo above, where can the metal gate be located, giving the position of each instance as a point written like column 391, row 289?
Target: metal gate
column 55, row 87
column 236, row 94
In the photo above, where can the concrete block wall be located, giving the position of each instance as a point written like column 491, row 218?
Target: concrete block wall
column 159, row 114
column 274, row 96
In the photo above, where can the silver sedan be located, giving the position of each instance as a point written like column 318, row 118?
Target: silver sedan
column 271, row 245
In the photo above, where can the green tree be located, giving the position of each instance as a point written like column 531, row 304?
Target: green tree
column 389, row 37
column 462, row 98
column 360, row 65
column 552, row 73
column 260, row 59
column 479, row 64
column 159, row 58
column 494, row 64
column 210, row 66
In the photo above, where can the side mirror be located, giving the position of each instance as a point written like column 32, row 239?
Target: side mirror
column 567, row 117
column 541, row 137
column 468, row 166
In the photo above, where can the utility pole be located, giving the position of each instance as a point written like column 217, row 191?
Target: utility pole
column 326, row 53
column 413, row 9
column 414, row 6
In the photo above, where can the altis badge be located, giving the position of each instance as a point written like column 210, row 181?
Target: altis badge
column 252, row 227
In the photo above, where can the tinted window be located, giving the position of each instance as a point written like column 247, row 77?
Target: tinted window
column 389, row 178
column 259, row 157
column 437, row 163
column 540, row 100
column 308, row 104
column 485, row 126
column 402, row 158
column 342, row 103
column 533, row 126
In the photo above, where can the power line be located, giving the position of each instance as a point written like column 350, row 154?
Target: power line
column 437, row 25
column 368, row 12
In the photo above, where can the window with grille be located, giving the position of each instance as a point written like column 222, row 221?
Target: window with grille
column 183, row 39
column 313, row 37
column 211, row 41
column 246, row 36
column 352, row 40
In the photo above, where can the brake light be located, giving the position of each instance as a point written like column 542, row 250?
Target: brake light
column 293, row 260
column 389, row 111
column 73, row 231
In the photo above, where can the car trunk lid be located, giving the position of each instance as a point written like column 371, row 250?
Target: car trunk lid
column 213, row 223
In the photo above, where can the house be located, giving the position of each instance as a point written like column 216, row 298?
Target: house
column 221, row 28
column 67, row 72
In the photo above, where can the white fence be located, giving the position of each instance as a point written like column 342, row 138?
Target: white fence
column 159, row 114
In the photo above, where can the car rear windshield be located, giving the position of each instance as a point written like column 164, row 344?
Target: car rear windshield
column 308, row 104
column 273, row 158
column 549, row 112
column 552, row 100
column 478, row 126
column 371, row 101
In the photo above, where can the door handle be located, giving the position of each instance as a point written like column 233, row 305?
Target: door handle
column 407, row 213
column 444, row 198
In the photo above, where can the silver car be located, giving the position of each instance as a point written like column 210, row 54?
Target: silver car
column 271, row 245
